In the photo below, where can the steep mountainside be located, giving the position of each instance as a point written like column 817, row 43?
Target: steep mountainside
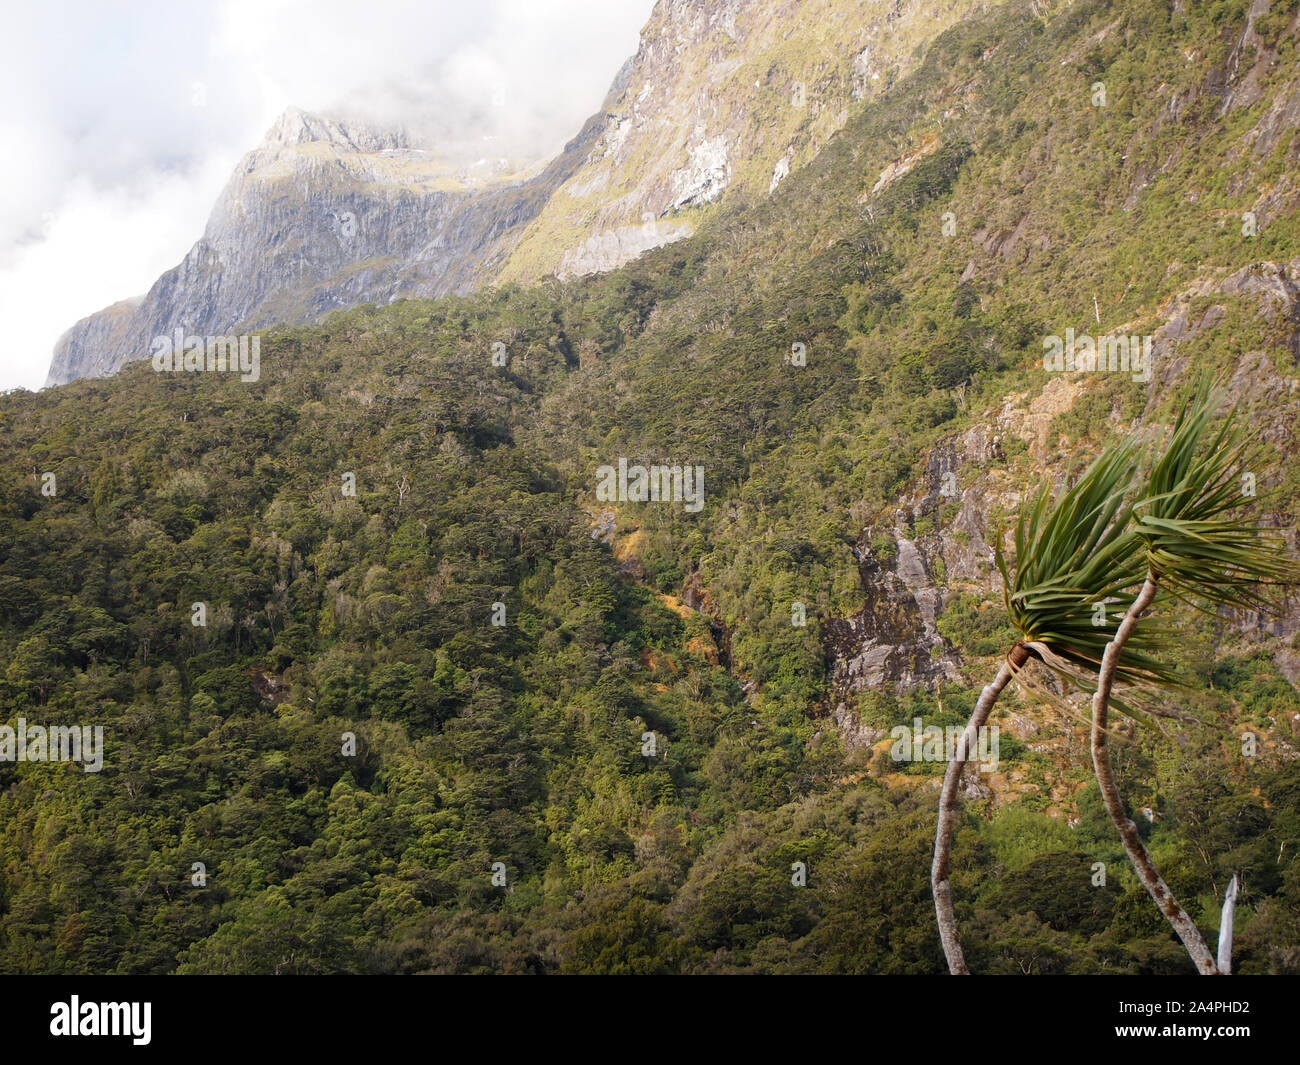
column 434, row 654
column 323, row 215
column 721, row 94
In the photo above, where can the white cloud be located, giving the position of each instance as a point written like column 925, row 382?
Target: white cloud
column 126, row 119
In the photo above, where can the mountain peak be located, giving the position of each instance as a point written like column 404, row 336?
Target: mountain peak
column 296, row 126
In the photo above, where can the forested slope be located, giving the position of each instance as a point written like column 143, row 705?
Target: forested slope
column 646, row 772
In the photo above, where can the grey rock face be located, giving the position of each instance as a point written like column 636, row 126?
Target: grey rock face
column 90, row 348
column 610, row 248
column 320, row 216
column 893, row 642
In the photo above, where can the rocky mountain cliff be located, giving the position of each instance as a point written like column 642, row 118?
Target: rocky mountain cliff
column 721, row 95
column 319, row 216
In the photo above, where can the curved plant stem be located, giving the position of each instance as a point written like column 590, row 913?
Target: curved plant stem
column 939, row 884
column 1177, row 917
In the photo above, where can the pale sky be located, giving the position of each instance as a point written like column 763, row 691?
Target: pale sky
column 124, row 120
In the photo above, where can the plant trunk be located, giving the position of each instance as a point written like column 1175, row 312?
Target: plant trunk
column 939, row 884
column 1169, row 906
column 1225, row 928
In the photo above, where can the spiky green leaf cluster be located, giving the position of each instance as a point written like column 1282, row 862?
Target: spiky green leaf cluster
column 1101, row 537
column 1074, row 553
column 1195, row 548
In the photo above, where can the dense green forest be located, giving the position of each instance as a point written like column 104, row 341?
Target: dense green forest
column 644, row 749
